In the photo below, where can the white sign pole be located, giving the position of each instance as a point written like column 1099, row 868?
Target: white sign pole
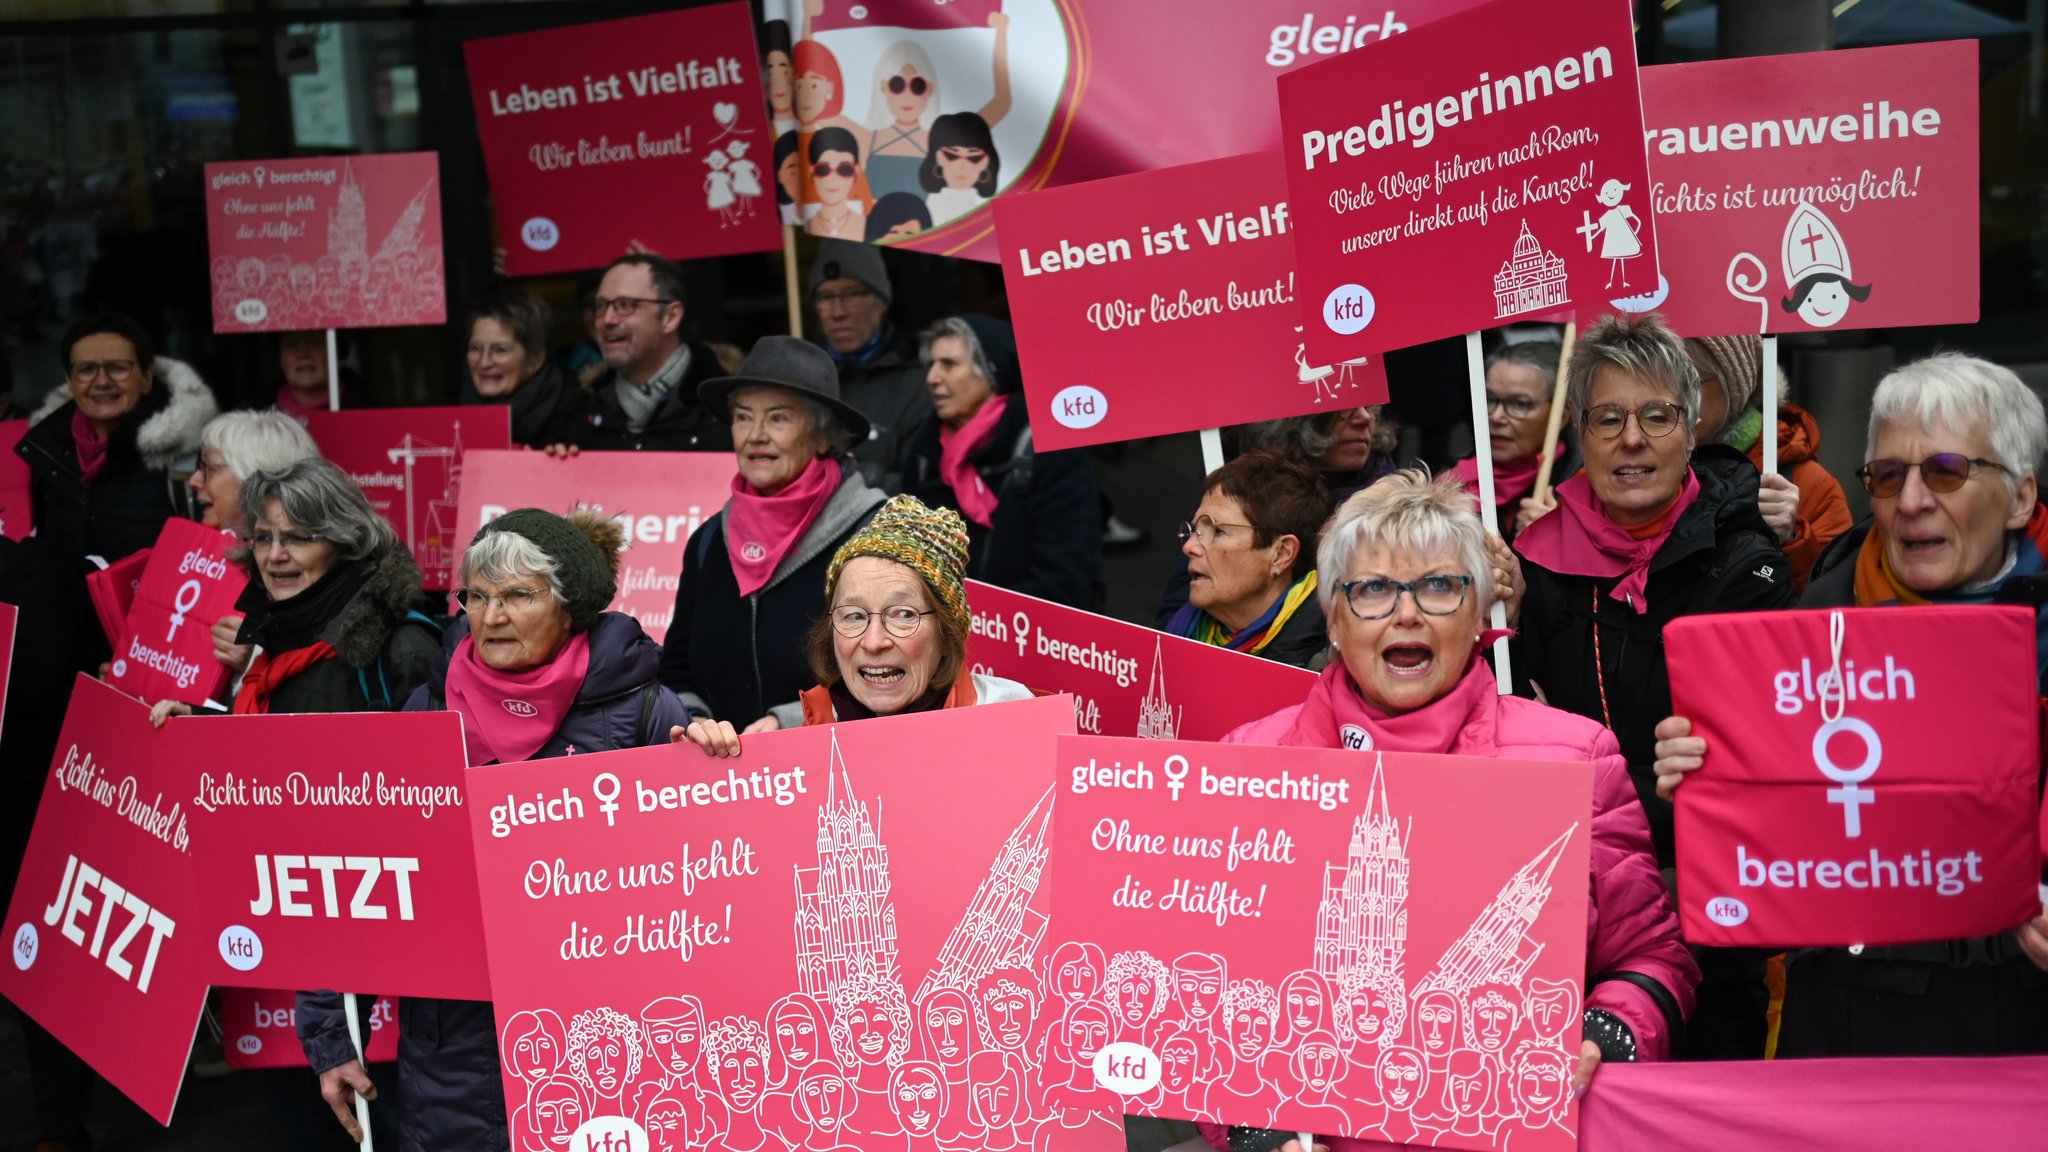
column 1212, row 450
column 1770, row 371
column 1482, row 453
column 333, row 373
column 348, row 999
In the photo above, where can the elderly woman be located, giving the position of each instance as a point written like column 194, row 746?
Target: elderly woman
column 1520, row 382
column 1351, row 448
column 1408, row 568
column 509, row 364
column 302, row 359
column 1034, row 520
column 1956, row 518
column 1251, row 559
column 754, row 575
column 895, row 637
column 233, row 447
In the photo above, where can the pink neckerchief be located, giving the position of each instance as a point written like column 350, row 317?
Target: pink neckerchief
column 1581, row 541
column 92, row 449
column 977, row 502
column 508, row 716
column 760, row 530
column 1460, row 722
column 1509, row 484
column 288, row 402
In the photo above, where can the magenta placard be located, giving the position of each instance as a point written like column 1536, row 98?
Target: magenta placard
column 657, row 499
column 165, row 651
column 645, row 130
column 1884, row 798
column 104, row 949
column 17, row 510
column 8, row 616
column 830, row 942
column 1484, row 168
column 1785, row 205
column 325, row 242
column 1126, row 680
column 408, row 462
column 1386, row 946
column 1112, row 281
column 259, row 1028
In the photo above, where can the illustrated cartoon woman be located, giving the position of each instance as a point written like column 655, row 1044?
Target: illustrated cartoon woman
column 746, row 175
column 963, row 167
column 841, row 190
column 1817, row 269
column 1620, row 232
column 904, row 100
column 718, row 195
column 778, row 75
column 819, row 93
column 789, row 179
column 896, row 216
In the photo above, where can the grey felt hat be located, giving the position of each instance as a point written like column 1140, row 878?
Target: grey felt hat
column 786, row 362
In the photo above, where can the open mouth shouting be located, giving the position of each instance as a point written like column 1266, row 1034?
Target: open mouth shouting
column 1406, row 659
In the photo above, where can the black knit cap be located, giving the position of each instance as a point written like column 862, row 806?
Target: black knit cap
column 587, row 581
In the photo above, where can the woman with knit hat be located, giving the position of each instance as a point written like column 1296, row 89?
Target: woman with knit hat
column 895, row 637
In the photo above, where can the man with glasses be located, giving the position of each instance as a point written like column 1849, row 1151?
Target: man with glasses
column 879, row 372
column 647, row 397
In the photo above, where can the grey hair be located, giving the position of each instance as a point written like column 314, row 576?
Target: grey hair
column 1956, row 393
column 252, row 442
column 1289, row 435
column 1405, row 512
column 318, row 497
column 824, row 423
column 1643, row 346
column 955, row 326
column 502, row 557
column 1542, row 355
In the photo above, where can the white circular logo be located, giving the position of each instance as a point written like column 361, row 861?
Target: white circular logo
column 1348, row 309
column 858, row 11
column 1355, row 738
column 241, row 948
column 120, row 667
column 521, row 708
column 26, row 943
column 753, row 552
column 1127, row 1068
column 1727, row 911
column 249, row 1045
column 1079, row 406
column 252, row 311
column 540, row 234
column 615, row 1133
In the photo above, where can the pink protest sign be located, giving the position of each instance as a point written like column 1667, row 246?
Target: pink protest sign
column 572, row 120
column 1481, row 169
column 408, row 461
column 1870, row 776
column 1126, row 680
column 17, row 513
column 1382, row 946
column 102, row 943
column 1819, row 190
column 259, row 1029
column 830, row 942
column 1112, row 281
column 325, row 242
column 112, row 590
column 8, row 617
column 165, row 651
column 657, row 499
column 325, row 872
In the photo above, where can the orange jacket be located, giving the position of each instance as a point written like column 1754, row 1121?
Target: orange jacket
column 1823, row 510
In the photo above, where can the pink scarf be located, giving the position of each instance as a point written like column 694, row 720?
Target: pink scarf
column 1581, row 541
column 508, row 716
column 1460, row 722
column 977, row 502
column 288, row 402
column 1510, row 484
column 760, row 530
column 92, row 451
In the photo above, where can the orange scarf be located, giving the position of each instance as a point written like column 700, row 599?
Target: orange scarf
column 1876, row 583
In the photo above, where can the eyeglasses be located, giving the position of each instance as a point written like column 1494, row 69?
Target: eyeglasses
column 1657, row 418
column 623, row 305
column 956, row 155
column 117, row 370
column 1517, row 407
column 207, row 467
column 517, row 601
column 916, row 85
column 845, row 297
column 1375, row 598
column 1204, row 529
column 260, row 543
column 844, row 169
column 497, row 351
column 1941, row 472
column 901, row 621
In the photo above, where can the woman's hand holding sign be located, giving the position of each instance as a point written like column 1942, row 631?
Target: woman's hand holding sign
column 1678, row 752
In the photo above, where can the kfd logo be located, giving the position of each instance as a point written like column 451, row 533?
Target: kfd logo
column 1355, row 738
column 752, row 552
column 1850, row 793
column 521, row 708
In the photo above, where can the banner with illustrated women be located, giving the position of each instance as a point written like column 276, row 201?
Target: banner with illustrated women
column 830, row 942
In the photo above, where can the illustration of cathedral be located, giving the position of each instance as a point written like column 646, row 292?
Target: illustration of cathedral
column 1533, row 279
column 1497, row 948
column 1157, row 719
column 1000, row 928
column 1362, row 922
column 435, row 540
column 348, row 222
column 845, row 922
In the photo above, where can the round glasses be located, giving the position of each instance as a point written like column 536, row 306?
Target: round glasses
column 517, row 601
column 902, row 621
column 1517, row 407
column 1204, row 529
column 117, row 370
column 260, row 543
column 1375, row 598
column 916, row 85
column 1941, row 472
column 1657, row 418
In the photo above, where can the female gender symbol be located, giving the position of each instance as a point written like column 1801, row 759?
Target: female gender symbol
column 182, row 606
column 1850, row 796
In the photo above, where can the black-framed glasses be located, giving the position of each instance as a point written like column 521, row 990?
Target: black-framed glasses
column 1375, row 597
column 1941, row 472
column 624, row 305
column 1204, row 529
column 901, row 621
column 1658, row 418
column 845, row 297
column 844, row 170
column 261, row 542
column 1517, row 407
column 916, row 85
column 517, row 601
column 117, row 370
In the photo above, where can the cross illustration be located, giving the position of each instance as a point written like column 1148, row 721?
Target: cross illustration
column 1588, row 229
column 1810, row 239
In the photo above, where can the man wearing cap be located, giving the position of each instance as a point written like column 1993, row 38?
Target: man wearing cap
column 647, row 397
column 879, row 371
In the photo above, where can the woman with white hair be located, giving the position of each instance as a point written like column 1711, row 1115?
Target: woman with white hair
column 904, row 100
column 1409, row 572
column 233, row 447
column 1956, row 518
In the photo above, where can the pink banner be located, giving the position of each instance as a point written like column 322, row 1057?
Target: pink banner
column 1870, row 776
column 325, row 242
column 657, row 499
column 408, row 461
column 1112, row 281
column 1236, row 940
column 112, row 590
column 17, row 511
column 1820, row 190
column 165, row 651
column 828, row 943
column 103, row 947
column 259, row 1029
column 1500, row 149
column 1126, row 680
column 644, row 130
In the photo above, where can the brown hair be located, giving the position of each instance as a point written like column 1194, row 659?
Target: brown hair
column 1282, row 496
column 952, row 640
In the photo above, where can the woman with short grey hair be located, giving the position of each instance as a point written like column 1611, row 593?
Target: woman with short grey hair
column 235, row 446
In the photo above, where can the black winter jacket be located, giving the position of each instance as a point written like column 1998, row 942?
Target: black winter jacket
column 547, row 408
column 680, row 424
column 887, row 388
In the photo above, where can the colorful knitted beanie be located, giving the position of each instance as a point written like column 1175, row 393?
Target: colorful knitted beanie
column 929, row 541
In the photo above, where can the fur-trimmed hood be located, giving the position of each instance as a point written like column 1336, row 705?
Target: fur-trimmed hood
column 362, row 628
column 169, row 438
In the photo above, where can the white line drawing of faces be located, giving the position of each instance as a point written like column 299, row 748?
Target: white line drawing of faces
column 532, row 1045
column 1199, row 979
column 1251, row 1012
column 1370, row 1010
column 674, row 1028
column 1069, row 1128
column 1074, row 973
column 554, row 1110
column 1468, row 1088
column 918, row 1099
column 1083, row 1030
column 1318, row 1067
column 666, row 1120
column 1491, row 1014
column 1136, row 990
column 1551, row 1006
column 946, row 1027
column 824, row 1102
column 1540, row 1082
column 1402, row 1073
column 871, row 1034
column 604, row 1053
column 1305, row 998
column 1180, row 1077
column 996, row 1100
column 736, row 1055
column 1433, row 1025
column 797, row 1039
column 1006, row 1010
